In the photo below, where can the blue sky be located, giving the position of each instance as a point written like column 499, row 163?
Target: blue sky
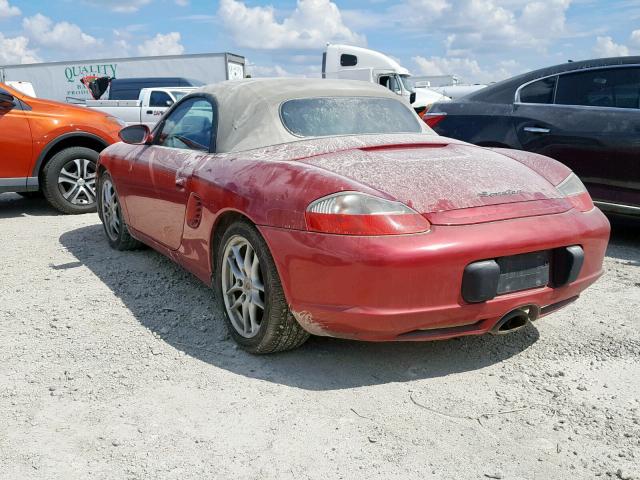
column 479, row 40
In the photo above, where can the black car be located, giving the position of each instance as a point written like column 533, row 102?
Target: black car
column 585, row 114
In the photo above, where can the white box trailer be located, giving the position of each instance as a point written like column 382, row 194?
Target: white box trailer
column 61, row 80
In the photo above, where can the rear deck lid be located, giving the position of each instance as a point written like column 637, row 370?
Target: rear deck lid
column 450, row 184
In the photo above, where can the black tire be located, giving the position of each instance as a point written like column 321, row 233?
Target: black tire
column 53, row 190
column 278, row 330
column 31, row 195
column 122, row 240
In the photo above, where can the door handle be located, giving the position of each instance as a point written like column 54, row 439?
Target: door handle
column 149, row 112
column 536, row 130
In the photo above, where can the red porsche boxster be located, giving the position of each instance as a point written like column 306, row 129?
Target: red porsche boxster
column 329, row 208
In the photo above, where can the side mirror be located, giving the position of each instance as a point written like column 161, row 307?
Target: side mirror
column 412, row 97
column 6, row 100
column 169, row 103
column 136, row 135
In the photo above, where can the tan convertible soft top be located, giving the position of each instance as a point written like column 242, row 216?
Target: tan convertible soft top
column 249, row 109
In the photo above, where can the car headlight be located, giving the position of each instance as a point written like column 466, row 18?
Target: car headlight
column 354, row 213
column 573, row 188
column 117, row 121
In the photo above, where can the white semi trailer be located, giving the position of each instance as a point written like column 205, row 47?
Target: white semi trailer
column 61, row 80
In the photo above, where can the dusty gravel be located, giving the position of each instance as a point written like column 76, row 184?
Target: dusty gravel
column 117, row 365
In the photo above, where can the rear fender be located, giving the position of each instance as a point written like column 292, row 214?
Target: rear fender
column 554, row 171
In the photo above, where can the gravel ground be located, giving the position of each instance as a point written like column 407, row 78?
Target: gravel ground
column 117, row 365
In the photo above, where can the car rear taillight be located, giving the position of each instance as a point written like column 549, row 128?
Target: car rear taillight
column 572, row 188
column 354, row 213
column 432, row 119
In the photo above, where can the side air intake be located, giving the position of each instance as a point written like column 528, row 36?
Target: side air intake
column 194, row 211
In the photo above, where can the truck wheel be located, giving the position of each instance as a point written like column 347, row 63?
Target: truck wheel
column 69, row 180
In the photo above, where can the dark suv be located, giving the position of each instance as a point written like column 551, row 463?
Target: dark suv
column 585, row 114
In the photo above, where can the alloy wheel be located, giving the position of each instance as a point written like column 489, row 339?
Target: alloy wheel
column 77, row 181
column 243, row 287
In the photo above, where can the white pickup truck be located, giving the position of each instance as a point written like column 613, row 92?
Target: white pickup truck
column 148, row 109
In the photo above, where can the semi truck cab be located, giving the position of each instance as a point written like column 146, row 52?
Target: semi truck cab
column 356, row 63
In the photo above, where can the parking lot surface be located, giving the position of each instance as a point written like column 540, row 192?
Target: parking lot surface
column 118, row 365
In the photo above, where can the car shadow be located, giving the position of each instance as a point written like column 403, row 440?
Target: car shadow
column 182, row 311
column 13, row 205
column 624, row 244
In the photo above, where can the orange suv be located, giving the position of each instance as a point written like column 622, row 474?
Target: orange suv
column 52, row 148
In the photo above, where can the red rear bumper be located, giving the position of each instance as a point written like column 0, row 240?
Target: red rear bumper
column 408, row 287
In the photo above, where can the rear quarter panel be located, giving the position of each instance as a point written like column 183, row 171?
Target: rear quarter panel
column 269, row 192
column 554, row 171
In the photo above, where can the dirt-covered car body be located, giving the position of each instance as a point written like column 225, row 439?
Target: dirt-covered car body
column 471, row 225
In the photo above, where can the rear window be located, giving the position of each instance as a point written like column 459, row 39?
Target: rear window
column 327, row 116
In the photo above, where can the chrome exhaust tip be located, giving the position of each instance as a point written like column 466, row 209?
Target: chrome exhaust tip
column 515, row 320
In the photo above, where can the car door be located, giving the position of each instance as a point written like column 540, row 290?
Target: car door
column 592, row 124
column 159, row 102
column 15, row 143
column 158, row 183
